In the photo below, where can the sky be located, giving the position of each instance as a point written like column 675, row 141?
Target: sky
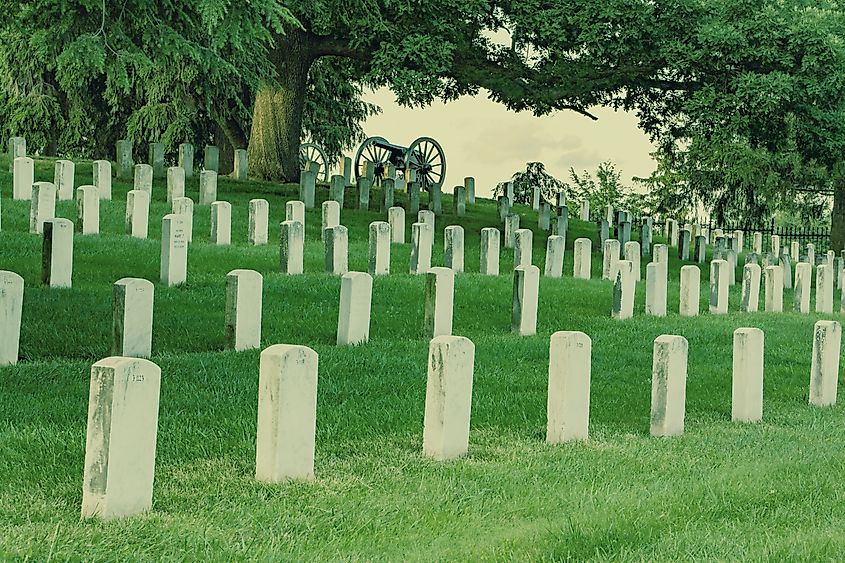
column 483, row 139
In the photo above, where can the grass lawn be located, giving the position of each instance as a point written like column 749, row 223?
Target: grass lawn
column 773, row 490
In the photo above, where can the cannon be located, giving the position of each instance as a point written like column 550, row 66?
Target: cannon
column 314, row 153
column 424, row 157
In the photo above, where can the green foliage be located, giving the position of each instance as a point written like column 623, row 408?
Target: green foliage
column 604, row 188
column 535, row 175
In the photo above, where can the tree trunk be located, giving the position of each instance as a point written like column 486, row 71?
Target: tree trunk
column 837, row 216
column 277, row 114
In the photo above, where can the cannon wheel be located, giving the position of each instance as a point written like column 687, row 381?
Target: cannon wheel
column 370, row 152
column 313, row 152
column 425, row 156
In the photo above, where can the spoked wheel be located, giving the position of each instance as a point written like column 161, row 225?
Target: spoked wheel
column 370, row 151
column 313, row 152
column 426, row 158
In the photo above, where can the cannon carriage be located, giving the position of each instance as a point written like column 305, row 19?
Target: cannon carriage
column 424, row 160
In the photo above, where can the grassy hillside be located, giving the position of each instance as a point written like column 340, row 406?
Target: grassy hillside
column 722, row 491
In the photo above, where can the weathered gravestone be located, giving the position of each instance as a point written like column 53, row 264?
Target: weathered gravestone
column 132, row 318
column 291, row 247
column 439, row 300
column 555, row 249
column 668, row 385
column 582, row 267
column 102, row 178
column 824, row 367
column 287, row 414
column 120, row 443
column 174, row 250
column 750, row 301
column 353, row 321
column 88, row 210
column 378, row 251
column 690, row 291
column 208, row 187
column 259, row 222
column 448, row 397
column 11, row 307
column 337, row 249
column 489, row 257
column 175, row 183
column 568, row 404
column 57, row 253
column 185, row 206
column 244, row 290
column 526, row 291
column 422, row 240
column 221, row 223
column 453, row 248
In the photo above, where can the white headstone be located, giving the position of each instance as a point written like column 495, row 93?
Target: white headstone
column 337, row 249
column 396, row 219
column 185, row 206
column 448, row 397
column 422, row 239
column 102, row 178
column 610, row 259
column 776, row 246
column 522, row 248
column 427, row 217
column 241, row 168
column 655, row 290
column 719, row 287
column 259, row 220
column 757, row 243
column 43, row 206
column 287, row 414
column 208, row 187
column 137, row 213
column 11, row 306
column 57, row 257
column 120, row 444
column 624, row 289
column 747, row 388
column 330, row 217
column 453, row 248
column 526, row 293
column 555, row 249
column 144, row 178
column 221, row 223
column 244, row 290
column 439, row 301
column 668, row 385
column 585, row 210
column 568, row 405
column 774, row 289
column 489, row 258
column 175, row 183
column 378, row 251
column 23, row 176
column 632, row 254
column 824, row 289
column 803, row 273
column 582, row 269
column 132, row 318
column 64, row 178
column 291, row 247
column 353, row 320
column 295, row 211
column 88, row 210
column 186, row 159
column 751, row 275
column 824, row 368
column 511, row 227
column 690, row 291
column 174, row 250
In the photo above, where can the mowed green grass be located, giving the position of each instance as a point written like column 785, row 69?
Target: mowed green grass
column 773, row 490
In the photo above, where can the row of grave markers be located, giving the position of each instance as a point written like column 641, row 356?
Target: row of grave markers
column 123, row 407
